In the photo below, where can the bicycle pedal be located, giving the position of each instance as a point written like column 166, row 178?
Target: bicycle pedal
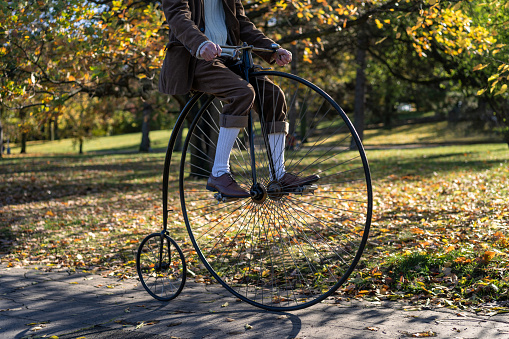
column 305, row 189
column 219, row 197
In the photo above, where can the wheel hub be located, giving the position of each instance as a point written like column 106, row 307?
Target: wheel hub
column 275, row 190
column 258, row 193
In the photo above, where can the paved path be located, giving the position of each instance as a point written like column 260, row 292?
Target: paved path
column 44, row 304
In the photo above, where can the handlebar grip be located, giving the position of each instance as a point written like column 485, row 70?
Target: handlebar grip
column 228, row 51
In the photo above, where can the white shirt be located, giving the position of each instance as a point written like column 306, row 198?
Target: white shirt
column 215, row 24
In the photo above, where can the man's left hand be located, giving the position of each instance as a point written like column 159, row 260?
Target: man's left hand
column 282, row 57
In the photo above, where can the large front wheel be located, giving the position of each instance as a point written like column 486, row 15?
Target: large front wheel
column 284, row 249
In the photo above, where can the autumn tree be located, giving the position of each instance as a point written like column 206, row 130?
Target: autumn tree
column 439, row 35
column 51, row 51
column 492, row 71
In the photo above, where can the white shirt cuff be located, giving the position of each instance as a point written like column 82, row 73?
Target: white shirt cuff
column 199, row 49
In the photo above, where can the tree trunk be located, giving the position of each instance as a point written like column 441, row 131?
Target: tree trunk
column 482, row 109
column 360, row 85
column 23, row 143
column 81, row 145
column 388, row 107
column 24, row 135
column 1, row 135
column 51, row 130
column 55, row 127
column 145, row 127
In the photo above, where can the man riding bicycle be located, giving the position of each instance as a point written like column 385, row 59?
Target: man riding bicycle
column 193, row 61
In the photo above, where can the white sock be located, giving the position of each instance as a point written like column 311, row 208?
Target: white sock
column 277, row 148
column 225, row 142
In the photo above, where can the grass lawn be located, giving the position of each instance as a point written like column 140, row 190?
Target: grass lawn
column 117, row 143
column 442, row 133
column 440, row 229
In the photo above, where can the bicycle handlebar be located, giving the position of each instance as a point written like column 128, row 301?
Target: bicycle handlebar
column 233, row 50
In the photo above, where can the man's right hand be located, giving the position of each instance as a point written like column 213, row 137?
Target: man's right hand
column 210, row 50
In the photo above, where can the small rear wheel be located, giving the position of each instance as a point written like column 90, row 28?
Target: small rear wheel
column 161, row 266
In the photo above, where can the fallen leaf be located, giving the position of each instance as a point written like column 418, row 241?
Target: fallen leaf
column 37, row 328
column 488, row 256
column 176, row 323
column 420, row 334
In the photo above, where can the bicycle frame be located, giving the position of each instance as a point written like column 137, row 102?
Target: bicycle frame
column 247, row 66
column 167, row 160
column 302, row 246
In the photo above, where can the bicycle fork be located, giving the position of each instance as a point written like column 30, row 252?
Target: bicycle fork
column 258, row 192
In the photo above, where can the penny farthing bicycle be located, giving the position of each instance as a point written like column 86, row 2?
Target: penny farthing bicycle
column 278, row 249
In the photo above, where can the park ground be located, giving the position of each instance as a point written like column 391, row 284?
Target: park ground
column 438, row 241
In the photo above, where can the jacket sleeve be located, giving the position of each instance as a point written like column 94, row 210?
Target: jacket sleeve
column 250, row 34
column 179, row 18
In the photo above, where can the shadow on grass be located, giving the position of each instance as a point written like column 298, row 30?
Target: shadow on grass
column 116, row 183
column 44, row 178
column 7, row 238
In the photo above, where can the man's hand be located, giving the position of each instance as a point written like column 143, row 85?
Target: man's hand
column 210, row 50
column 282, row 57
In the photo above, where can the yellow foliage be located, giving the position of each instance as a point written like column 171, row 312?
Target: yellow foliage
column 502, row 90
column 481, row 91
column 479, row 67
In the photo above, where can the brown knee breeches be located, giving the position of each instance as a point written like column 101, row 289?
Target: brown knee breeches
column 214, row 77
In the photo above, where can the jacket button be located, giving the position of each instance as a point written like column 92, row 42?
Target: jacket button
column 202, row 29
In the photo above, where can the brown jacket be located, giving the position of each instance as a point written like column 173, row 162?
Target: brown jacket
column 186, row 21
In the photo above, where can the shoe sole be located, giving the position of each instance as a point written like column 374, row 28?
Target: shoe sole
column 301, row 184
column 213, row 189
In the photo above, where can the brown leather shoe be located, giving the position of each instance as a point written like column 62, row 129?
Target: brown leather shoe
column 227, row 186
column 290, row 181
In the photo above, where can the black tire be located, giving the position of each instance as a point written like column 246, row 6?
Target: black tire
column 285, row 251
column 161, row 266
